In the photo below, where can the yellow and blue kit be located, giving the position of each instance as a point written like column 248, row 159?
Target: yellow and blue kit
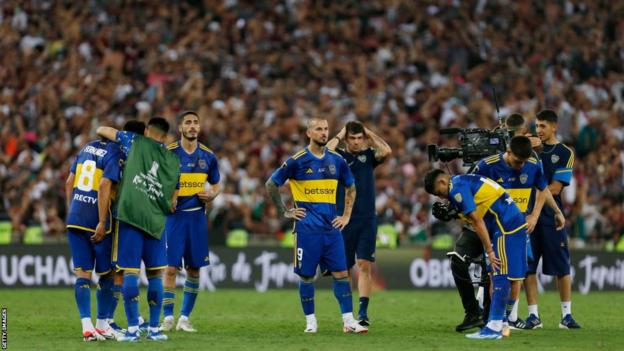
column 503, row 219
column 518, row 183
column 96, row 160
column 132, row 245
column 186, row 230
column 313, row 183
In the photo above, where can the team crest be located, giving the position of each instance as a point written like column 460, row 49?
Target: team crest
column 554, row 158
column 458, row 197
column 362, row 158
column 523, row 178
column 332, row 169
column 202, row 164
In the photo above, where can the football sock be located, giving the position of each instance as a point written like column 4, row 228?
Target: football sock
column 533, row 310
column 82, row 293
column 154, row 300
column 499, row 296
column 130, row 292
column 363, row 306
column 168, row 301
column 306, row 292
column 191, row 288
column 104, row 295
column 342, row 291
column 513, row 315
column 311, row 319
column 566, row 308
column 87, row 325
column 114, row 301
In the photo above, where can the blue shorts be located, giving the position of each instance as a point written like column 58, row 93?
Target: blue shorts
column 187, row 237
column 552, row 245
column 360, row 237
column 314, row 248
column 511, row 250
column 86, row 255
column 131, row 245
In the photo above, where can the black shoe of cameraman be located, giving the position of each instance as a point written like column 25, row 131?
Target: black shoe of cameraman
column 470, row 321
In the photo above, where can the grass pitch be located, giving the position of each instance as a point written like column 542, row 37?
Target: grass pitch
column 47, row 319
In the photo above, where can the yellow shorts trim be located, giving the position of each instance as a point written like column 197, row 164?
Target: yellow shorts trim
column 156, row 268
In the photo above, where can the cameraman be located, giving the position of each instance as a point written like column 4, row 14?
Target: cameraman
column 468, row 247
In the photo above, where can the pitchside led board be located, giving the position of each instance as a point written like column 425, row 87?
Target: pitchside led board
column 264, row 269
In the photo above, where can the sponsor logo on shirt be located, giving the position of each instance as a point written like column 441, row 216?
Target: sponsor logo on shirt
column 319, row 191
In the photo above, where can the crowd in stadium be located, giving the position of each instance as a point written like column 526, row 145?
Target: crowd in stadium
column 256, row 71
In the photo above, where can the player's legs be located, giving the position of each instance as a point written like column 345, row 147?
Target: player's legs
column 154, row 299
column 171, row 274
column 365, row 282
column 334, row 258
column 500, row 290
column 191, row 289
column 557, row 262
column 530, row 282
column 83, row 258
column 104, row 296
column 176, row 237
column 104, row 293
column 195, row 257
column 365, row 249
column 308, row 248
column 155, row 259
column 127, row 254
column 515, row 255
column 467, row 247
column 117, row 285
column 117, row 280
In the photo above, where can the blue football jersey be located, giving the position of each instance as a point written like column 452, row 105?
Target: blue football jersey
column 195, row 169
column 125, row 140
column 558, row 162
column 362, row 165
column 97, row 159
column 518, row 183
column 472, row 192
column 314, row 184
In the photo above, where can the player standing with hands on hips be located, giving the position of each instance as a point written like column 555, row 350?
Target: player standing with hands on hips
column 314, row 174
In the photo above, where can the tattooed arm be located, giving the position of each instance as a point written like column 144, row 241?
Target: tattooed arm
column 341, row 221
column 297, row 213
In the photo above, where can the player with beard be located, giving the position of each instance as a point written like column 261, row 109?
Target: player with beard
column 314, row 174
column 186, row 229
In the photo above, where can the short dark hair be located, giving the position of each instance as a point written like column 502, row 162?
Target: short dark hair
column 185, row 113
column 354, row 127
column 159, row 123
column 547, row 115
column 430, row 179
column 521, row 147
column 514, row 121
column 134, row 126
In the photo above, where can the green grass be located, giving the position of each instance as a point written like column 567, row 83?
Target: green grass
column 41, row 319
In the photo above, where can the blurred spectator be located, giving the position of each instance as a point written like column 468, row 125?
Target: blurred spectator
column 255, row 71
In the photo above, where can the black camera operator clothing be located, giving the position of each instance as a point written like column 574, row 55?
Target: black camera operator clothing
column 469, row 246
